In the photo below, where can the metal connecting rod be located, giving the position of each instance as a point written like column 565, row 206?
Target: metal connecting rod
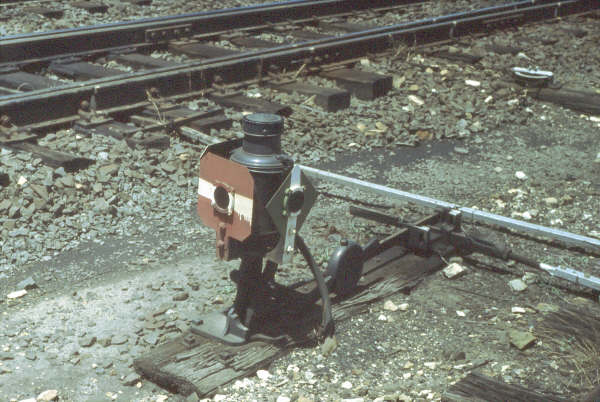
column 476, row 215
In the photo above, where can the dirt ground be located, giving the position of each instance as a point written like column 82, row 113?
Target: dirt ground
column 115, row 295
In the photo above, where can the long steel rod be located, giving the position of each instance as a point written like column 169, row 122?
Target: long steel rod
column 476, row 215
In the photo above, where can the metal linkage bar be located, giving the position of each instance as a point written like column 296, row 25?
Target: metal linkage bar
column 476, row 215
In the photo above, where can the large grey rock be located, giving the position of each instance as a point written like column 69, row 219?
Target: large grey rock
column 27, row 284
column 521, row 339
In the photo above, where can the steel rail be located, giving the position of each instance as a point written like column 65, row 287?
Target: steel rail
column 42, row 45
column 472, row 214
column 55, row 103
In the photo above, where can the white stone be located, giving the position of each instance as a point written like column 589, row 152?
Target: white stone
column 520, row 175
column 461, row 313
column 390, row 306
column 22, row 180
column 382, row 317
column 473, row 83
column 263, row 375
column 551, row 201
column 498, row 169
column 406, row 376
column 365, row 62
column 403, row 307
column 430, row 365
column 595, row 119
column 416, row 100
column 454, row 270
column 529, row 278
column 488, row 99
column 347, row 385
column 282, row 398
column 398, row 81
column 161, row 398
column 243, row 383
column 16, row 294
column 219, row 397
column 48, row 395
column 517, row 285
column 518, row 310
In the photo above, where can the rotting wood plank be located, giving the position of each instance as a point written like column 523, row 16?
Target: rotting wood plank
column 137, row 60
column 23, row 81
column 107, row 127
column 503, row 49
column 583, row 101
column 478, row 387
column 4, row 179
column 157, row 141
column 202, row 121
column 242, row 102
column 303, row 34
column 364, row 85
column 176, row 112
column 45, row 11
column 82, row 70
column 91, row 6
column 384, row 275
column 458, row 56
column 344, row 26
column 138, row 2
column 253, row 43
column 330, row 99
column 51, row 157
column 201, row 50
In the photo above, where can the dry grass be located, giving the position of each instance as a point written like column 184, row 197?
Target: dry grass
column 572, row 335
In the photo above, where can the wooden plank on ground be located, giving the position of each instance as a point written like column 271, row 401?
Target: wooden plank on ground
column 583, row 101
column 83, row 70
column 91, row 6
column 51, row 157
column 45, row 11
column 22, row 81
column 362, row 84
column 4, row 179
column 138, row 2
column 253, row 43
column 330, row 99
column 192, row 363
column 308, row 35
column 242, row 102
column 458, row 56
column 137, row 60
column 344, row 26
column 201, row 50
column 203, row 121
column 478, row 387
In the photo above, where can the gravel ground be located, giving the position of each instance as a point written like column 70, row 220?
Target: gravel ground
column 117, row 254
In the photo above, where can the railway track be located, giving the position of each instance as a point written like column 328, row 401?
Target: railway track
column 72, row 65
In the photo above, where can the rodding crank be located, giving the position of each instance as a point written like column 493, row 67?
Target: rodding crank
column 256, row 199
